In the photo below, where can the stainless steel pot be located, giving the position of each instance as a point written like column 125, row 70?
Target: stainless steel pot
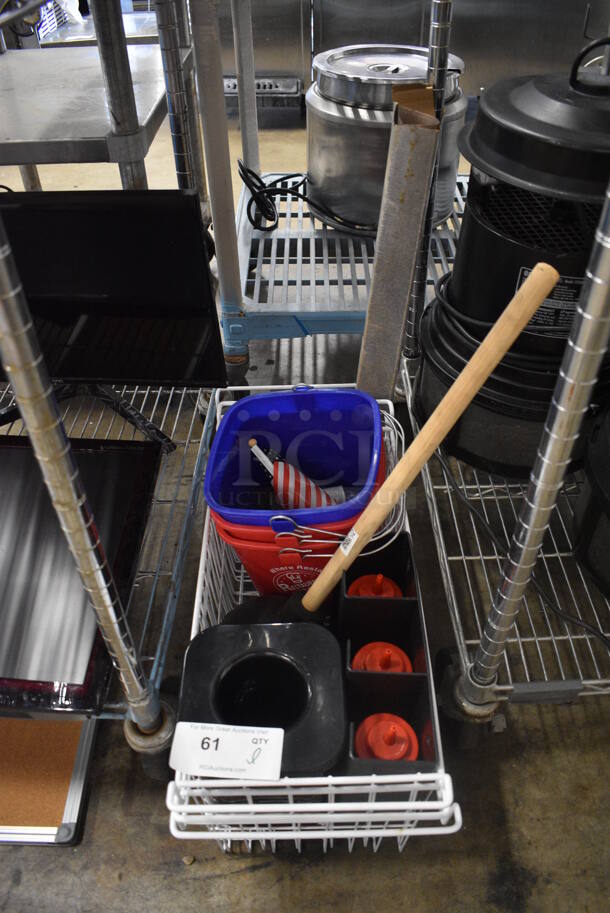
column 349, row 118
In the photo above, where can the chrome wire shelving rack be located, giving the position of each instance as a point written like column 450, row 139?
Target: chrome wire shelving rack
column 182, row 414
column 545, row 658
column 355, row 809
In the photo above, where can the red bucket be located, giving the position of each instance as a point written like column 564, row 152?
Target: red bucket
column 280, row 567
column 268, row 535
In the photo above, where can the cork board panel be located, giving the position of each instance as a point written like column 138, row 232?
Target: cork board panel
column 36, row 763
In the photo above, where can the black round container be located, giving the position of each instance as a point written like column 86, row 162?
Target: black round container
column 505, row 232
column 592, row 518
column 500, row 431
column 540, row 151
column 539, row 347
column 526, row 376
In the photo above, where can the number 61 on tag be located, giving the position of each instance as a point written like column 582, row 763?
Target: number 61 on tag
column 230, row 752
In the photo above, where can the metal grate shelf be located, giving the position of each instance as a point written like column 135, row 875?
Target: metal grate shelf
column 305, row 277
column 545, row 659
column 179, row 413
column 305, row 265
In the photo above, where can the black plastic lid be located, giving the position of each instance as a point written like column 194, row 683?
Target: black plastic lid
column 280, row 675
column 549, row 133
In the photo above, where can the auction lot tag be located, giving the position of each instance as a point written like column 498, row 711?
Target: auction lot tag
column 230, row 752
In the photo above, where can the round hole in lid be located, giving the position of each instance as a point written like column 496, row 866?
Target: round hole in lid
column 386, row 68
column 262, row 689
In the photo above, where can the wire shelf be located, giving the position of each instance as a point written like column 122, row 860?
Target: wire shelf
column 306, row 266
column 545, row 659
column 366, row 809
column 303, row 265
column 354, row 809
column 179, row 413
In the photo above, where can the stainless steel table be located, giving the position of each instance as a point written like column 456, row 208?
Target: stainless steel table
column 53, row 106
column 140, row 28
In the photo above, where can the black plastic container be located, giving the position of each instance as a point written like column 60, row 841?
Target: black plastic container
column 500, row 430
column 519, row 382
column 405, row 696
column 393, row 561
column 287, row 676
column 540, row 153
column 522, row 380
column 505, row 231
column 592, row 518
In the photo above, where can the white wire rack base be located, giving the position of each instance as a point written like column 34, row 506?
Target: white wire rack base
column 545, row 659
column 356, row 809
column 179, row 413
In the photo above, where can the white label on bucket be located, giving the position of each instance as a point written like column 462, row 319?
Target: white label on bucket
column 230, row 752
column 349, row 542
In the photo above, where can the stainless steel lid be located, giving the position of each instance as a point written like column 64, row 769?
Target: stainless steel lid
column 363, row 75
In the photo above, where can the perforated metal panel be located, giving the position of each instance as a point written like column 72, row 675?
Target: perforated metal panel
column 540, row 221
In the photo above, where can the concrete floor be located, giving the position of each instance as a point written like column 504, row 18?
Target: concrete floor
column 534, row 797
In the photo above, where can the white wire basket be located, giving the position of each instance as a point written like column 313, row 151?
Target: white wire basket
column 357, row 809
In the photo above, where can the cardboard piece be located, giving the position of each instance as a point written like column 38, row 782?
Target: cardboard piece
column 409, row 169
column 412, row 99
column 36, row 763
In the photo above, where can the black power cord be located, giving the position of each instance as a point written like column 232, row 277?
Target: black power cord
column 7, row 188
column 501, row 547
column 262, row 204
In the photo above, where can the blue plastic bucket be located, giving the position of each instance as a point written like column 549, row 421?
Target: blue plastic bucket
column 333, row 436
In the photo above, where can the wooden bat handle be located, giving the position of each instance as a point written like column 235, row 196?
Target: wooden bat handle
column 490, row 352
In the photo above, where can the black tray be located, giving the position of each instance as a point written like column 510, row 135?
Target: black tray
column 119, row 285
column 52, row 657
column 409, row 695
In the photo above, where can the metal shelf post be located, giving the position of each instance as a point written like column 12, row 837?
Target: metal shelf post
column 241, row 13
column 30, row 177
column 24, row 366
column 110, row 33
column 438, row 56
column 177, row 92
column 192, row 110
column 208, row 67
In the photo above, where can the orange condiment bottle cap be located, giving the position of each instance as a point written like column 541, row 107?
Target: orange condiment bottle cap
column 386, row 737
column 375, row 585
column 379, row 656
